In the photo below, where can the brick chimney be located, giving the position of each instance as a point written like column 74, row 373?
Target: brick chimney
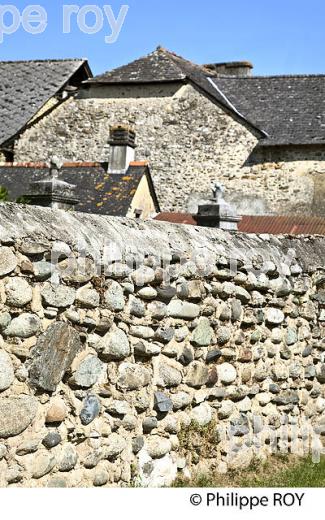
column 122, row 152
column 52, row 192
column 231, row 68
column 218, row 213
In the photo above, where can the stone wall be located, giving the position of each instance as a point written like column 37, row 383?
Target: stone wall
column 132, row 352
column 189, row 142
column 281, row 180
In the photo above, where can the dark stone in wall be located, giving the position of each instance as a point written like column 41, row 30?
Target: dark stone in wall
column 137, row 444
column 163, row 403
column 51, row 440
column 90, row 409
column 53, row 355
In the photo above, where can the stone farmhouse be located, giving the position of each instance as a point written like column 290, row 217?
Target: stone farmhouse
column 262, row 137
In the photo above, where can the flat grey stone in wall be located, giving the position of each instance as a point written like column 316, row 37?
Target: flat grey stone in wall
column 116, row 444
column 133, row 376
column 53, row 355
column 157, row 446
column 5, row 319
column 8, row 261
column 88, row 372
column 42, row 270
column 163, row 403
column 68, row 458
column 80, row 270
column 114, row 296
column 42, row 465
column 203, row 333
column 16, row 414
column 58, row 295
column 197, row 375
column 184, row 310
column 18, row 292
column 137, row 444
column 202, row 414
column 24, row 326
column 274, row 316
column 114, row 345
column 6, row 371
column 320, row 372
column 87, row 297
column 226, row 373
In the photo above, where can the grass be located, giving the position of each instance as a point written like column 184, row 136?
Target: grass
column 278, row 471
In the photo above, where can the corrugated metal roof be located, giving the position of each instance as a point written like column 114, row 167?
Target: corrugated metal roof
column 272, row 224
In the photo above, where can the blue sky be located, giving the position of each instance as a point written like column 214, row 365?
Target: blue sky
column 278, row 36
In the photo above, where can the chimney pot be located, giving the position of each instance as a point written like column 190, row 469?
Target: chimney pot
column 217, row 212
column 231, row 68
column 122, row 143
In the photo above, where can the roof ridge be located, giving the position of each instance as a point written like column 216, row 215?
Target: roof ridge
column 47, row 60
column 264, row 76
column 156, row 52
column 174, row 55
column 42, row 164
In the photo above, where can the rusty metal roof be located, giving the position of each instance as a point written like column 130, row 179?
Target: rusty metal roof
column 272, row 224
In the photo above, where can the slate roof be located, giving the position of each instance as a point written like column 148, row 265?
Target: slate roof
column 98, row 191
column 25, row 87
column 270, row 224
column 286, row 109
column 291, row 109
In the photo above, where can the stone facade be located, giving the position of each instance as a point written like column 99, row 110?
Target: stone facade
column 280, row 180
column 121, row 343
column 189, row 142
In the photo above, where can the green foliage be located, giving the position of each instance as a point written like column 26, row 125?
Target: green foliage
column 304, row 474
column 4, row 196
column 202, row 441
column 278, row 471
column 22, row 200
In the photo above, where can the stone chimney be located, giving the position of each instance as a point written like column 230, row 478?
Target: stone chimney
column 231, row 68
column 122, row 153
column 52, row 192
column 218, row 213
